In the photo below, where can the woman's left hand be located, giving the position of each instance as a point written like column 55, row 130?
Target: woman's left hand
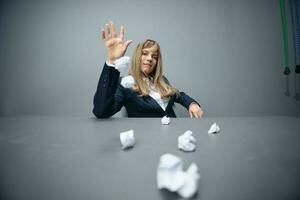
column 195, row 110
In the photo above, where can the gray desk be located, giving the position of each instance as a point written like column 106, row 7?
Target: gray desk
column 81, row 158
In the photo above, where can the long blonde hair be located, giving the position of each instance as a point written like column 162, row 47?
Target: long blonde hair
column 164, row 89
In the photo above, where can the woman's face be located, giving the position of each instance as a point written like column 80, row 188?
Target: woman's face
column 149, row 60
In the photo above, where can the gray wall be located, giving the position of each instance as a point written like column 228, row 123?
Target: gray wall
column 226, row 54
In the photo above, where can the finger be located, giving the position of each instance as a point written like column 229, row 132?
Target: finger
column 113, row 29
column 201, row 114
column 102, row 34
column 191, row 115
column 196, row 113
column 121, row 35
column 106, row 31
column 127, row 43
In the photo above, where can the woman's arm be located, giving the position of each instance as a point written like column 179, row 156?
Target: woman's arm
column 109, row 97
column 190, row 104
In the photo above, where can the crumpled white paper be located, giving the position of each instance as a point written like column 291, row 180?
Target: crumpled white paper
column 127, row 81
column 169, row 173
column 165, row 120
column 127, row 139
column 171, row 176
column 122, row 65
column 191, row 183
column 185, row 141
column 214, row 128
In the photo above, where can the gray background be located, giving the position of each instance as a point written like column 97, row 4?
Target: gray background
column 228, row 55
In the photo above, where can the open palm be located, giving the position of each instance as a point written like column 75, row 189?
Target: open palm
column 115, row 44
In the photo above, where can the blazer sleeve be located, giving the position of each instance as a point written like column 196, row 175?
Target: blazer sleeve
column 109, row 97
column 185, row 100
column 182, row 98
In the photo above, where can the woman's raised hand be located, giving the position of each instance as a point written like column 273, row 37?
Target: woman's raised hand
column 115, row 45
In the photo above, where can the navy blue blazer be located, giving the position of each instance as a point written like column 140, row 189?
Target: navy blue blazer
column 111, row 96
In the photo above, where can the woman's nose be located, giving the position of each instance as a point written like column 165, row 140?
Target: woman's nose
column 149, row 57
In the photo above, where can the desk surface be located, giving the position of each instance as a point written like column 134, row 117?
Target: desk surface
column 81, row 158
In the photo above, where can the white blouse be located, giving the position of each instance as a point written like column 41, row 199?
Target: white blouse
column 156, row 96
column 152, row 93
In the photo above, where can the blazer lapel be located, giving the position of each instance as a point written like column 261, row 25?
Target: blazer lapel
column 153, row 103
column 170, row 105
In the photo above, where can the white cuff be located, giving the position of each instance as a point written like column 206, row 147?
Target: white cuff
column 122, row 65
column 109, row 64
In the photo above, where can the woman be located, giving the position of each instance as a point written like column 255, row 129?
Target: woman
column 150, row 95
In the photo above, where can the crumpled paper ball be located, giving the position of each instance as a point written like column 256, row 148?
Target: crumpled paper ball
column 165, row 120
column 127, row 139
column 214, row 128
column 186, row 141
column 127, row 81
column 171, row 176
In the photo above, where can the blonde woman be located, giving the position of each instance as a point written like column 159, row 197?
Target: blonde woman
column 150, row 94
